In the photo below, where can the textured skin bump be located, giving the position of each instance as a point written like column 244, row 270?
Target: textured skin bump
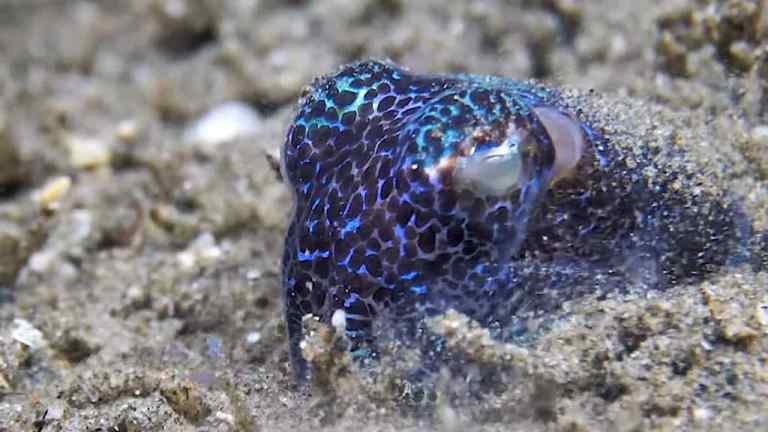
column 383, row 231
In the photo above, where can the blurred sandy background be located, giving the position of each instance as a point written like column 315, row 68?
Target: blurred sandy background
column 141, row 225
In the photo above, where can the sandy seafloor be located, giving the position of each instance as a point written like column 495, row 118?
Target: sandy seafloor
column 140, row 269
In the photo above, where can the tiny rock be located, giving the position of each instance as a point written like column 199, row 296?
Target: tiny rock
column 223, row 123
column 25, row 333
column 50, row 195
column 87, row 152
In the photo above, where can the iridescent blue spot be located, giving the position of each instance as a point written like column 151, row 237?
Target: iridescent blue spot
column 418, row 289
column 351, row 225
column 310, row 256
column 353, row 297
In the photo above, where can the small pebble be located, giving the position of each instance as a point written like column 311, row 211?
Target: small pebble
column 127, row 131
column 253, row 275
column 186, row 260
column 339, row 320
column 253, row 338
column 225, row 417
column 702, row 415
column 55, row 411
column 87, row 153
column 50, row 195
column 203, row 250
column 223, row 123
column 27, row 334
column 41, row 262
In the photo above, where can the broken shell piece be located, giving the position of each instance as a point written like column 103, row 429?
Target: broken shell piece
column 25, row 333
column 87, row 152
column 50, row 195
column 223, row 123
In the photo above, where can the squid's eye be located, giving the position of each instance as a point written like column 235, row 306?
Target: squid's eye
column 567, row 140
column 493, row 169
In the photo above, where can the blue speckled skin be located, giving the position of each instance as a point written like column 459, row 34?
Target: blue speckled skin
column 382, row 234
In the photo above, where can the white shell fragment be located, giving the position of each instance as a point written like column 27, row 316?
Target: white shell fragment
column 25, row 333
column 339, row 320
column 87, row 152
column 253, row 338
column 50, row 195
column 203, row 250
column 223, row 123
